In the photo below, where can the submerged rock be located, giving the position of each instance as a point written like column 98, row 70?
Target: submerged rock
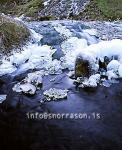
column 55, row 94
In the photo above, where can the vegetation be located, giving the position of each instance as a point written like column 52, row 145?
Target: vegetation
column 18, row 7
column 95, row 10
column 102, row 10
column 12, row 34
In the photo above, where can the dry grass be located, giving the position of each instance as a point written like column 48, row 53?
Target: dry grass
column 12, row 34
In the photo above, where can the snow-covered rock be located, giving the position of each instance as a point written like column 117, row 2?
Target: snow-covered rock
column 105, row 49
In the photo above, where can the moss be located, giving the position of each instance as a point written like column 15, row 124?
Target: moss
column 12, row 34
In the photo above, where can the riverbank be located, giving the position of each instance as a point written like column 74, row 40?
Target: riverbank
column 102, row 10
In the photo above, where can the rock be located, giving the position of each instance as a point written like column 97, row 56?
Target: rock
column 103, row 64
column 82, row 67
column 26, row 88
column 2, row 98
column 55, row 94
column 1, row 82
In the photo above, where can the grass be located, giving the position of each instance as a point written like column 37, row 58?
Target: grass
column 110, row 8
column 102, row 10
column 12, row 34
column 28, row 7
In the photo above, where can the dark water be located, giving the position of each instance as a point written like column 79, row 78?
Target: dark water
column 19, row 132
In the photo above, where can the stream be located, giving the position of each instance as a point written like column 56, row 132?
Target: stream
column 101, row 129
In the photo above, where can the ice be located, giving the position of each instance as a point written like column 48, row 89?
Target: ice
column 92, row 81
column 62, row 30
column 113, row 65
column 37, row 56
column 111, row 74
column 26, row 88
column 54, row 67
column 31, row 83
column 32, row 56
column 2, row 98
column 105, row 48
column 110, row 49
column 71, row 49
column 120, row 70
column 6, row 67
column 35, row 36
column 35, row 78
column 55, row 94
column 91, row 32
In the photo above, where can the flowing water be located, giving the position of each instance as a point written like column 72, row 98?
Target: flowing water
column 101, row 129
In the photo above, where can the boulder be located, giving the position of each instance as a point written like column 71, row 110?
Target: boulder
column 82, row 67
